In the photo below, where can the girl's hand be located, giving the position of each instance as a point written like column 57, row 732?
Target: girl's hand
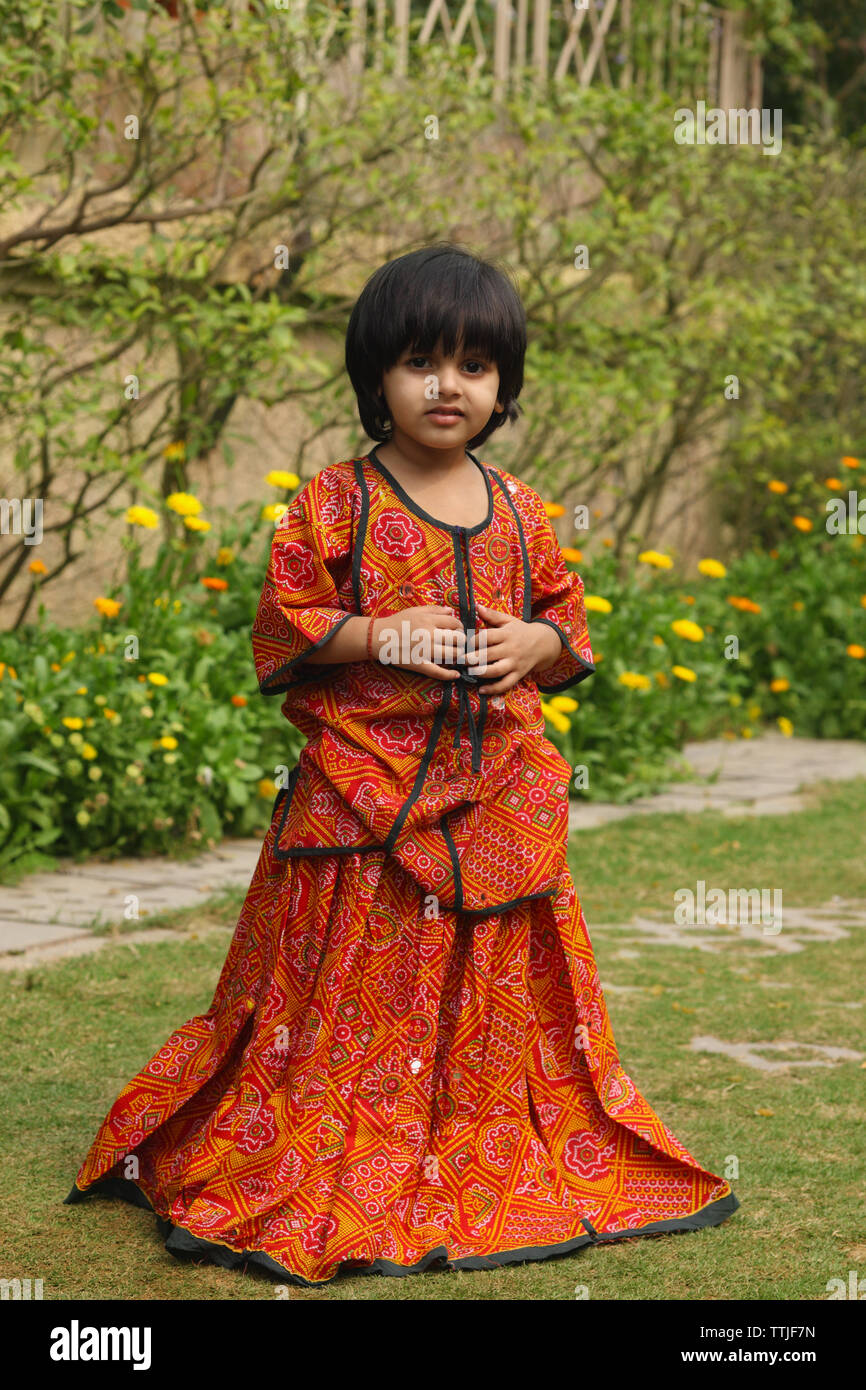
column 510, row 648
column 432, row 634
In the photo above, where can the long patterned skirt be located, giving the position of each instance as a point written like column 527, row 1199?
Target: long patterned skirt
column 378, row 1087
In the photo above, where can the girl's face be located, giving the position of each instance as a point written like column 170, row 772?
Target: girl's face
column 441, row 401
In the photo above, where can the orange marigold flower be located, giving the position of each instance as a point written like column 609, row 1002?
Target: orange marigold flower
column 780, row 684
column 37, row 567
column 854, row 649
column 239, row 700
column 832, row 483
column 568, row 552
column 848, row 462
column 210, row 582
column 776, row 486
column 744, row 605
column 554, row 508
column 802, row 523
column 108, row 607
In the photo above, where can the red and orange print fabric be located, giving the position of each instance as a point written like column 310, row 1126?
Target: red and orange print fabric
column 408, row 1058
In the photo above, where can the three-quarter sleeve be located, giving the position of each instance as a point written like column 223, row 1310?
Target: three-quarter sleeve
column 300, row 607
column 557, row 599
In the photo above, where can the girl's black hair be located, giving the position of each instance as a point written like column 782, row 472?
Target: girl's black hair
column 441, row 291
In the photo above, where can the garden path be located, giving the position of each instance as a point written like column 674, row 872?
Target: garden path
column 78, row 908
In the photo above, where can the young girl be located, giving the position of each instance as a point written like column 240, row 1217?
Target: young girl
column 408, row 1059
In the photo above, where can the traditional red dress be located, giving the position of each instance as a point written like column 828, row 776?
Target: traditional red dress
column 408, row 1058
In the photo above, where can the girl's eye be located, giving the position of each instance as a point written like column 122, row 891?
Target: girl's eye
column 413, row 361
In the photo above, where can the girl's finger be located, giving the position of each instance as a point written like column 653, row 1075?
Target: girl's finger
column 492, row 615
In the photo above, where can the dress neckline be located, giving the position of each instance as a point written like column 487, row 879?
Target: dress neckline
column 413, row 506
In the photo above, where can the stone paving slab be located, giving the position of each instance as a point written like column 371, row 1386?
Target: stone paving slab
column 85, row 944
column 80, row 896
column 755, row 777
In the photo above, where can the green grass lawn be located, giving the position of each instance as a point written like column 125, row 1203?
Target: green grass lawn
column 76, row 1031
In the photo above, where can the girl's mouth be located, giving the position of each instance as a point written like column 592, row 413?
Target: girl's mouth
column 444, row 417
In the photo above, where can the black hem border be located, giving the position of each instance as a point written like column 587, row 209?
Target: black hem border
column 184, row 1244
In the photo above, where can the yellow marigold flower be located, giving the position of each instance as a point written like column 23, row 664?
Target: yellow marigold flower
column 267, row 787
column 569, row 553
column 156, row 678
column 183, row 503
column 108, row 607
column 88, row 751
column 832, row 483
column 662, row 680
column 855, row 650
column 564, row 703
column 594, row 603
column 225, row 556
column 746, row 733
column 553, row 508
column 776, row 486
column 754, row 711
column 597, row 658
column 634, row 680
column 655, row 557
column 780, row 684
column 13, row 673
column 142, row 516
column 37, row 567
column 554, row 717
column 177, row 450
column 239, row 701
column 797, row 605
column 684, row 627
column 785, row 725
column 210, row 582
column 167, row 741
column 848, row 462
column 714, row 568
column 273, row 511
column 82, row 690
column 863, row 600
column 73, row 722
column 279, row 478
column 196, row 523
column 684, row 673
column 802, row 523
